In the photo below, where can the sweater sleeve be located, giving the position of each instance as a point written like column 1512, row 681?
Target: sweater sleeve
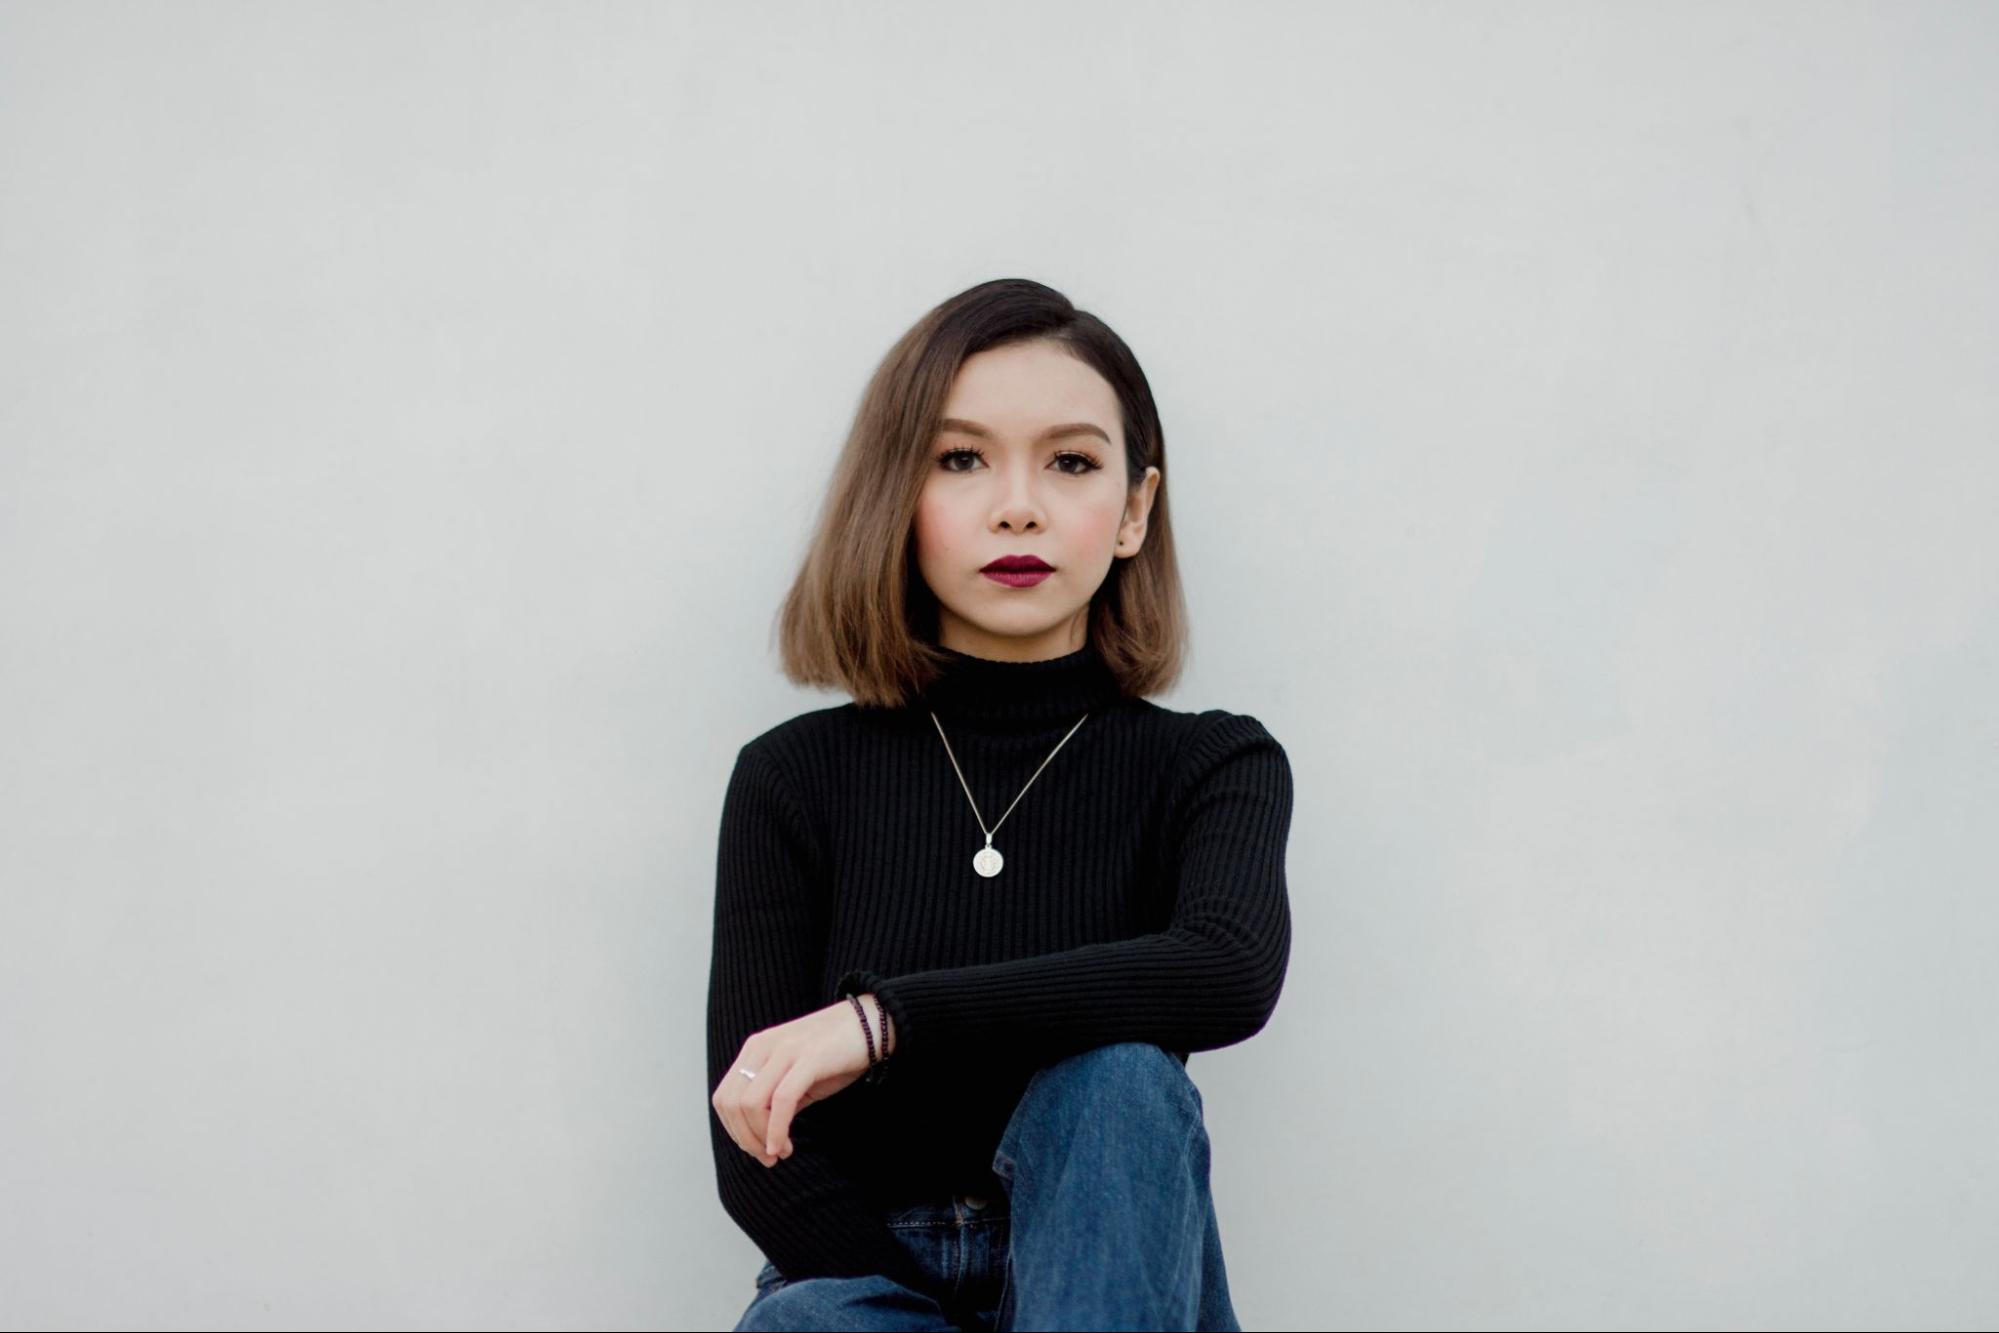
column 808, row 1214
column 1210, row 979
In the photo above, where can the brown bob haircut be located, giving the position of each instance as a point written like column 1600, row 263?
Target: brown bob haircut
column 859, row 615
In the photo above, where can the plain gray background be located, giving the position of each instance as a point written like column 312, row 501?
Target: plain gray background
column 1581, row 434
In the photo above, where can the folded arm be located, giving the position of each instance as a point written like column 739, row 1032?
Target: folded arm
column 809, row 1214
column 1209, row 979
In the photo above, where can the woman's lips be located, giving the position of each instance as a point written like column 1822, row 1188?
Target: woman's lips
column 1017, row 578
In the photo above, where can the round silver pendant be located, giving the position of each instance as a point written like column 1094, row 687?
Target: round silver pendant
column 988, row 861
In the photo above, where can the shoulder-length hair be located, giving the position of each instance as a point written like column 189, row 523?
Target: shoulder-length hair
column 859, row 615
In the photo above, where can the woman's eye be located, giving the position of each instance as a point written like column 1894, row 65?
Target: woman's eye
column 1074, row 465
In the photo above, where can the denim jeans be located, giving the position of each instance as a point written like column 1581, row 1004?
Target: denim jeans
column 1106, row 1223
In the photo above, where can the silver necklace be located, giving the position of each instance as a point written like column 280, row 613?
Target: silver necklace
column 987, row 860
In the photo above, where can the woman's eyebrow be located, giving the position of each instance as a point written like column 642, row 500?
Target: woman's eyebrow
column 1063, row 431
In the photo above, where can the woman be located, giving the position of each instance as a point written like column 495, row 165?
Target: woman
column 969, row 925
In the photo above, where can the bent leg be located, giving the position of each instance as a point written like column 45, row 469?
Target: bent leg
column 1106, row 1165
column 868, row 1302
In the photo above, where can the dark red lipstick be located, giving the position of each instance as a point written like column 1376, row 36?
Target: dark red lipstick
column 1018, row 571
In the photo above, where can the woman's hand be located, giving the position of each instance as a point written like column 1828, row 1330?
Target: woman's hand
column 797, row 1063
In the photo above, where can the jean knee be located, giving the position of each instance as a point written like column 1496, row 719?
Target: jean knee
column 1139, row 1087
column 1123, row 1064
column 813, row 1303
column 1126, row 1079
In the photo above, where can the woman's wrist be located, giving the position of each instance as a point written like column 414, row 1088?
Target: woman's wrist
column 884, row 1030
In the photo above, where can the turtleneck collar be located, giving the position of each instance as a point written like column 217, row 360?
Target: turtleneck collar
column 1003, row 694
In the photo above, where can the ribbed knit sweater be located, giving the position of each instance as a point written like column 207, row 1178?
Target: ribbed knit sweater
column 1142, row 899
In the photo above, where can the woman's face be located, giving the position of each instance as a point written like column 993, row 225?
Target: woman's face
column 1028, row 461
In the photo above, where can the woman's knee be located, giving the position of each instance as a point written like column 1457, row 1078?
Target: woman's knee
column 837, row 1303
column 1139, row 1087
column 1138, row 1070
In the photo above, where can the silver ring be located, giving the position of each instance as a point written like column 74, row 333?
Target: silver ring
column 747, row 1073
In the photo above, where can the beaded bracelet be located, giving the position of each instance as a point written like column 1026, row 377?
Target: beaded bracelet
column 880, row 1070
column 877, row 1066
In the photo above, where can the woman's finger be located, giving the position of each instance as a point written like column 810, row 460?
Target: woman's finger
column 756, row 1107
column 752, row 1108
column 784, row 1103
column 738, row 1103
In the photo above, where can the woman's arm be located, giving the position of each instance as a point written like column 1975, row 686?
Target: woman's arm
column 1210, row 979
column 807, row 1214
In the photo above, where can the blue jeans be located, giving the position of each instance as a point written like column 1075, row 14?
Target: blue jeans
column 1106, row 1224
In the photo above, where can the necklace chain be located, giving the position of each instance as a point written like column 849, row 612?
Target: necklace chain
column 993, row 856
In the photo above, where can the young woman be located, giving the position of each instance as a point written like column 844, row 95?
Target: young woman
column 969, row 925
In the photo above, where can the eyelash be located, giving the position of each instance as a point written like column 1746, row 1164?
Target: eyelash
column 1090, row 464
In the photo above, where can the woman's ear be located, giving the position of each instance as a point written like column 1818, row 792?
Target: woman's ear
column 1137, row 509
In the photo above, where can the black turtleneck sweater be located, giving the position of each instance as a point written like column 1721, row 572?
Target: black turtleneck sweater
column 1142, row 899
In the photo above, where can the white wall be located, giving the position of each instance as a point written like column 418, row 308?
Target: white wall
column 1581, row 426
